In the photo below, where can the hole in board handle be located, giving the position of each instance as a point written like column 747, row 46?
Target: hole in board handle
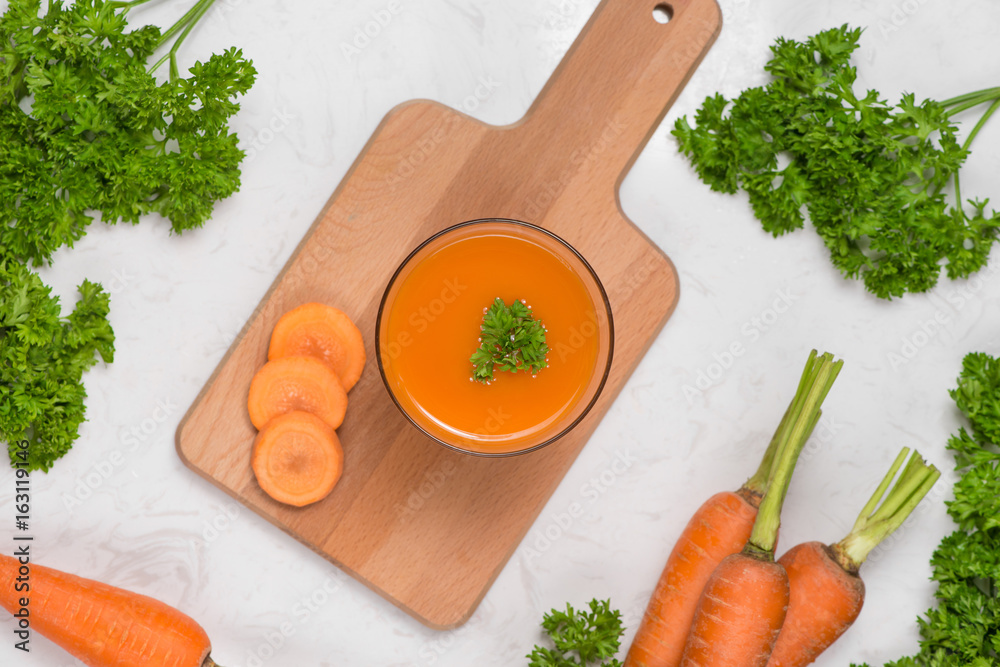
column 663, row 12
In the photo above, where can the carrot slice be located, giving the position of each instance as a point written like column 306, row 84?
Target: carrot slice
column 321, row 331
column 296, row 383
column 297, row 458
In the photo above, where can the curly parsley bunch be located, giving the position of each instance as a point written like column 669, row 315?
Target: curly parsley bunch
column 42, row 359
column 87, row 130
column 870, row 176
column 581, row 638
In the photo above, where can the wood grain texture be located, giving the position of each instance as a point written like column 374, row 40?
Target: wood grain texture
column 425, row 527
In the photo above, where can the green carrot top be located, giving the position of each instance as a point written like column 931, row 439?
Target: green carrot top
column 800, row 419
column 757, row 484
column 877, row 521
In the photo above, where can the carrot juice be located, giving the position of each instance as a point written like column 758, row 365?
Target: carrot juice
column 430, row 325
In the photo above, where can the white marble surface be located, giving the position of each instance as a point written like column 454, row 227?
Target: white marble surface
column 141, row 520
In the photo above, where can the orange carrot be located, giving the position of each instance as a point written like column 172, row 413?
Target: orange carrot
column 742, row 607
column 825, row 599
column 826, row 592
column 296, row 383
column 101, row 625
column 324, row 332
column 297, row 458
column 719, row 528
column 739, row 614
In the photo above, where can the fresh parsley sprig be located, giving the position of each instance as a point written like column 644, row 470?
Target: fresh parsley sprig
column 86, row 127
column 581, row 638
column 870, row 176
column 511, row 338
column 42, row 359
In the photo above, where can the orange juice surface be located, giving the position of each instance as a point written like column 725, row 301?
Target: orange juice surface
column 433, row 328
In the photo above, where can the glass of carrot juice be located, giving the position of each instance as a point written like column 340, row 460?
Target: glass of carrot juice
column 429, row 325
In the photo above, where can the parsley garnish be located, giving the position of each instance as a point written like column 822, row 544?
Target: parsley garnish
column 964, row 627
column 581, row 638
column 510, row 337
column 870, row 176
column 42, row 360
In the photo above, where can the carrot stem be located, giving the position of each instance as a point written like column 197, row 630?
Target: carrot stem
column 817, row 378
column 760, row 480
column 758, row 483
column 883, row 486
column 877, row 521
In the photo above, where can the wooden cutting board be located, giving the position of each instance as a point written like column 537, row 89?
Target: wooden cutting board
column 428, row 528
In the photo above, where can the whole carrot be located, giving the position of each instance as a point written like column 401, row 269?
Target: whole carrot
column 101, row 625
column 742, row 607
column 719, row 528
column 826, row 592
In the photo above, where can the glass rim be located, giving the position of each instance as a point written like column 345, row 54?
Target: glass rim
column 604, row 300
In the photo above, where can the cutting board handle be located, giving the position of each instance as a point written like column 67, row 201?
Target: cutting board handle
column 622, row 73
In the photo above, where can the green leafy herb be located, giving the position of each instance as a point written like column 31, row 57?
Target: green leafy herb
column 510, row 337
column 581, row 638
column 870, row 176
column 42, row 359
column 85, row 127
column 964, row 627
